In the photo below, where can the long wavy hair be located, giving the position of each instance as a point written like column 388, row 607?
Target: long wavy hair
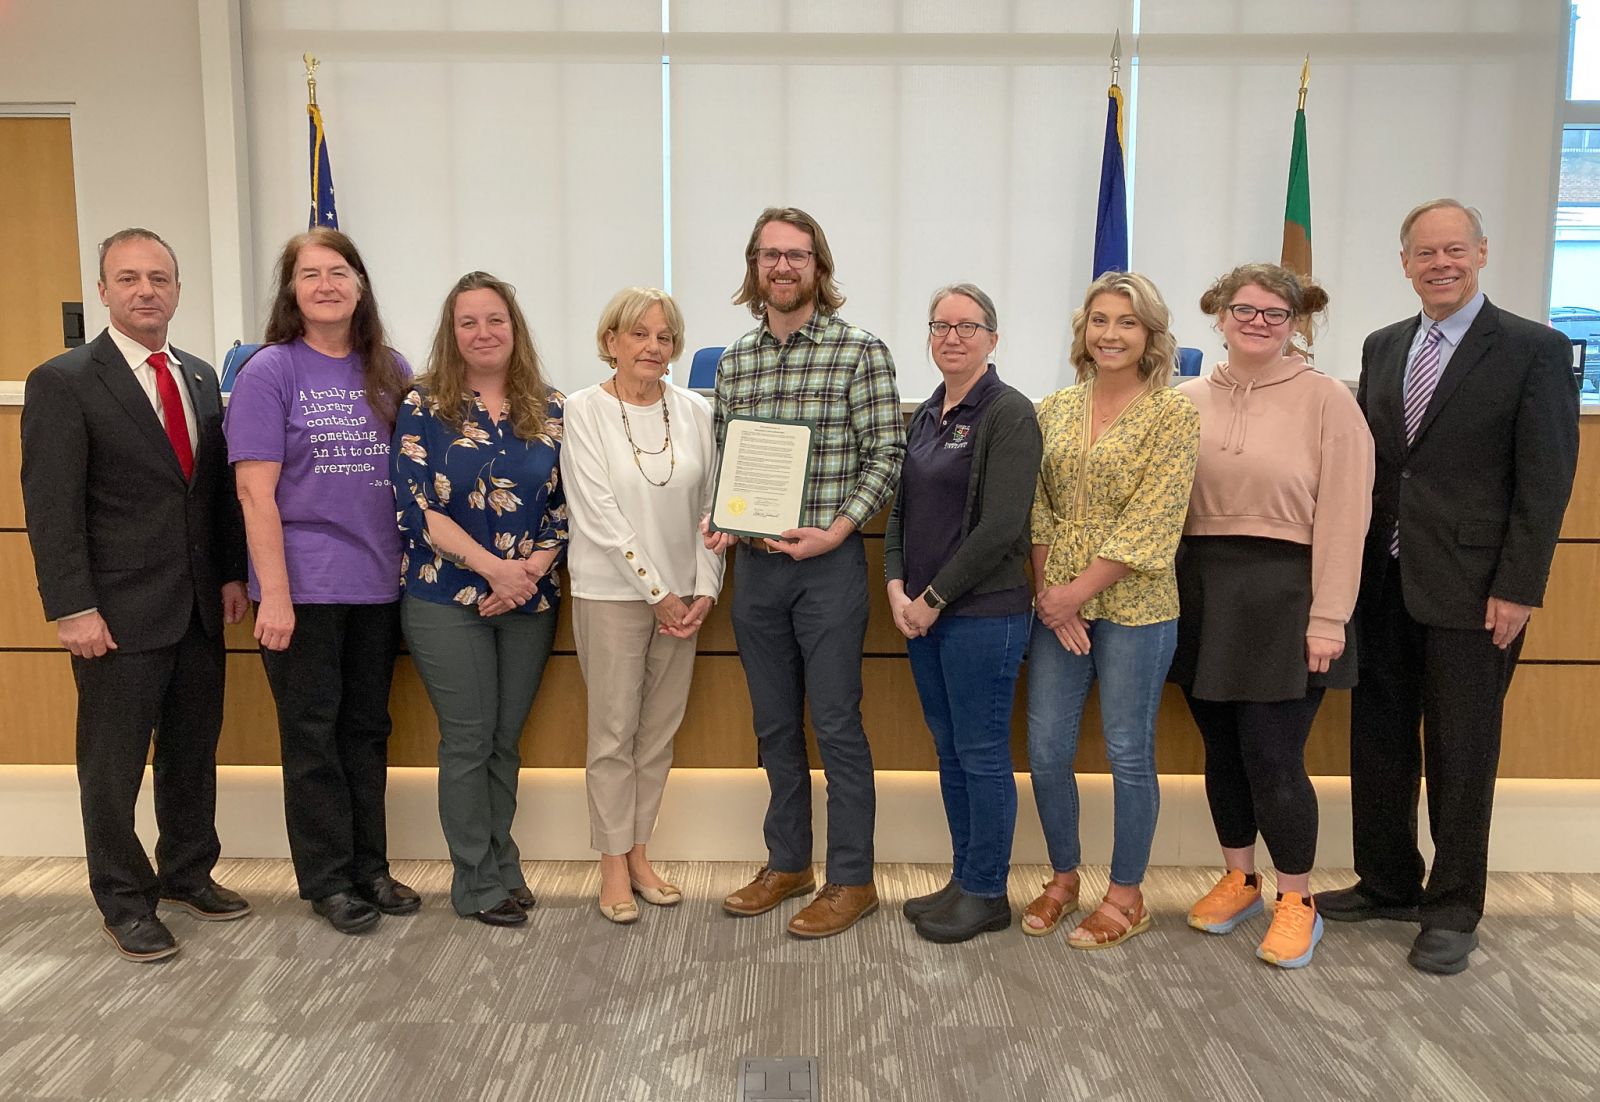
column 829, row 297
column 449, row 396
column 1160, row 346
column 380, row 367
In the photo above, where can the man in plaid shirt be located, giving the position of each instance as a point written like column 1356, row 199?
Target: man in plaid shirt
column 800, row 603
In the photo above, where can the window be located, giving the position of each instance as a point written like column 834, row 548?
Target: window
column 1575, row 267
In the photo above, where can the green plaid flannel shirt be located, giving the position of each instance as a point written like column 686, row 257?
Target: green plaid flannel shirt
column 841, row 379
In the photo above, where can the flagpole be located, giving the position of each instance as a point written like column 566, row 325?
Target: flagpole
column 311, row 79
column 1305, row 83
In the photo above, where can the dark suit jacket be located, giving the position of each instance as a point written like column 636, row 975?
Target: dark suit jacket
column 113, row 524
column 1480, row 494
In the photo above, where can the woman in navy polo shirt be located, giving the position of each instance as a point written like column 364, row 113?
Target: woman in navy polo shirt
column 475, row 453
column 955, row 552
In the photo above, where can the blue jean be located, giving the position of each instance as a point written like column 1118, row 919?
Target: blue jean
column 801, row 625
column 966, row 674
column 1131, row 666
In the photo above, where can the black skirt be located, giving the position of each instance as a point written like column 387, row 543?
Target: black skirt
column 1244, row 604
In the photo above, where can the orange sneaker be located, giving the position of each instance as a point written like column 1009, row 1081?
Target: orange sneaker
column 1292, row 938
column 1231, row 902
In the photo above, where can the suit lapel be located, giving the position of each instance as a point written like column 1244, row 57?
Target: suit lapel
column 1474, row 346
column 1392, row 394
column 199, row 401
column 118, row 379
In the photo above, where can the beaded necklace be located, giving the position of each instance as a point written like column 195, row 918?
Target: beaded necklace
column 666, row 444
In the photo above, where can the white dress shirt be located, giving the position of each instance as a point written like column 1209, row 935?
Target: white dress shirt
column 138, row 357
column 629, row 540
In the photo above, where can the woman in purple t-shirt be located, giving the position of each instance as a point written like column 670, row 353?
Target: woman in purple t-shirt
column 308, row 430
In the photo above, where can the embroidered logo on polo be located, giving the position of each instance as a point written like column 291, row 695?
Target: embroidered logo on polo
column 959, row 437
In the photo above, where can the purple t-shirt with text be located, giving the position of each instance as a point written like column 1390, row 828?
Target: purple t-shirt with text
column 294, row 406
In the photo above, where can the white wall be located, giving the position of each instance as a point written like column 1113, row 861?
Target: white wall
column 131, row 73
column 525, row 139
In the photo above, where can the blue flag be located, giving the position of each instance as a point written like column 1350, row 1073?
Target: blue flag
column 323, row 212
column 1111, row 216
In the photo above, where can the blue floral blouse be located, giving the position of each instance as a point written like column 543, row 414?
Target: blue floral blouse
column 504, row 492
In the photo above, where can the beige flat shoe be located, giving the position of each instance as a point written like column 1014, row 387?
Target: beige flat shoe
column 623, row 914
column 668, row 895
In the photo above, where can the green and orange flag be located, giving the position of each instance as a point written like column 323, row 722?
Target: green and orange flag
column 1297, row 207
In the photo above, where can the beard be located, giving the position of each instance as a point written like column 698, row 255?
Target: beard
column 787, row 298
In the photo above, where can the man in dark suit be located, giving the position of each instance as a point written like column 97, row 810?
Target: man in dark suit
column 139, row 549
column 1475, row 417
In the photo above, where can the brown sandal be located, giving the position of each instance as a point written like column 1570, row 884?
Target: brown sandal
column 1110, row 924
column 1048, row 909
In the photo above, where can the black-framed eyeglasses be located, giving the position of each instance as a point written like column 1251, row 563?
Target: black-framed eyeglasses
column 1272, row 315
column 797, row 258
column 966, row 330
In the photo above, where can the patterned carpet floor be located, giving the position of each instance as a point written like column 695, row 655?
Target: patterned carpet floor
column 573, row 1009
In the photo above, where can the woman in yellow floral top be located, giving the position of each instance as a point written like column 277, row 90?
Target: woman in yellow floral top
column 475, row 453
column 1119, row 457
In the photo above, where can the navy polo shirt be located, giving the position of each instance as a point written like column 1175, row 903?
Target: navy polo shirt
column 934, row 482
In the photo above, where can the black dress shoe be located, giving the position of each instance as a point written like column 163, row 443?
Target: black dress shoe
column 504, row 913
column 142, row 939
column 389, row 895
column 522, row 897
column 212, row 903
column 347, row 913
column 1354, row 904
column 919, row 905
column 963, row 918
column 1442, row 952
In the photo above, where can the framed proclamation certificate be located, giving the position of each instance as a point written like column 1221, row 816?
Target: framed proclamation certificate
column 761, row 477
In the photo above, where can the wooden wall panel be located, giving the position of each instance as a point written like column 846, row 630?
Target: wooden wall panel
column 1548, row 733
column 40, row 708
column 1567, row 628
column 11, row 515
column 1582, row 520
column 1550, row 728
column 22, row 622
column 39, row 224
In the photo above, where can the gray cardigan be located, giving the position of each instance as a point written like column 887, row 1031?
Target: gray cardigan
column 995, row 541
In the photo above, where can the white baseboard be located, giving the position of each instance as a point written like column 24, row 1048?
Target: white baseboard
column 715, row 815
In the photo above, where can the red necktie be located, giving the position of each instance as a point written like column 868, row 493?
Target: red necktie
column 172, row 412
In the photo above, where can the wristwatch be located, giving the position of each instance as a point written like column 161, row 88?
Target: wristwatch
column 933, row 600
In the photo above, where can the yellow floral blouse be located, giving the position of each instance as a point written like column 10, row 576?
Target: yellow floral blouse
column 1123, row 498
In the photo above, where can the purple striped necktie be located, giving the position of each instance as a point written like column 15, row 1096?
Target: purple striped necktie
column 1421, row 381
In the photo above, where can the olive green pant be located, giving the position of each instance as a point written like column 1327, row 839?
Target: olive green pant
column 481, row 673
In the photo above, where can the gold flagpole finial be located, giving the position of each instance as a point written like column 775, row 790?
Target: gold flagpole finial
column 1116, row 57
column 311, row 77
column 1305, row 82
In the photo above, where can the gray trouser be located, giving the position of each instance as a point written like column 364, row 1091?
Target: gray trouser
column 481, row 674
column 801, row 627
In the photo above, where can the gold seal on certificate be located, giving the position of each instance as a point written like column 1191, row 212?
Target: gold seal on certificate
column 761, row 478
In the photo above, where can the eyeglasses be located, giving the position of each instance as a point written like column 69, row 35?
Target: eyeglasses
column 797, row 258
column 1272, row 315
column 966, row 330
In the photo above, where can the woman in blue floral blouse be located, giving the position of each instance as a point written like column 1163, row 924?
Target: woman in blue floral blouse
column 481, row 509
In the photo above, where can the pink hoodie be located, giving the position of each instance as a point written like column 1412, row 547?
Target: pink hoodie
column 1287, row 455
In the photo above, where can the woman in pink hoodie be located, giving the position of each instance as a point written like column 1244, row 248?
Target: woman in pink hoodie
column 1268, row 572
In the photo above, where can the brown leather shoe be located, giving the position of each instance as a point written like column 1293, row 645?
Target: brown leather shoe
column 768, row 889
column 836, row 908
